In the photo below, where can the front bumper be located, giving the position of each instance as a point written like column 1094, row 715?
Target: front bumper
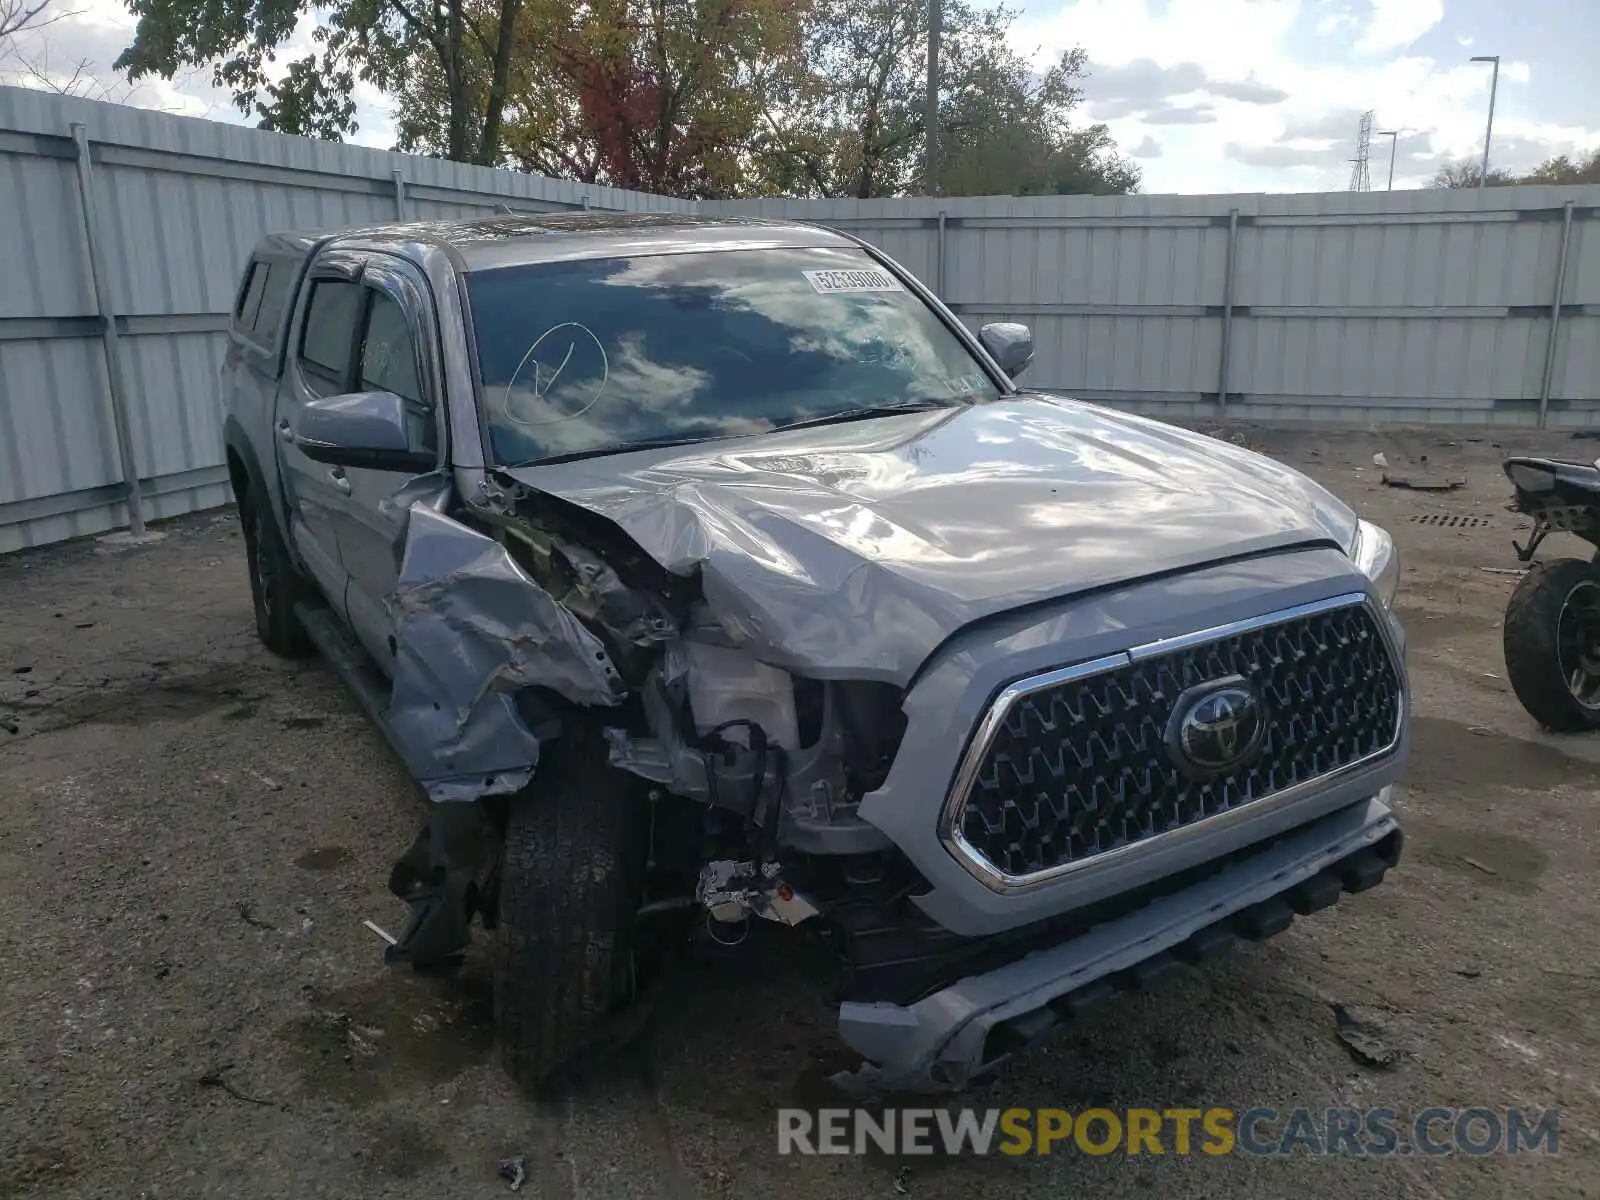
column 941, row 1043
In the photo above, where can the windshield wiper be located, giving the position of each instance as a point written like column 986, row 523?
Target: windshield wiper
column 868, row 411
column 610, row 448
column 921, row 404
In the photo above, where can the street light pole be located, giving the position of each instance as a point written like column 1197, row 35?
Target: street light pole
column 1488, row 132
column 930, row 167
column 1394, row 140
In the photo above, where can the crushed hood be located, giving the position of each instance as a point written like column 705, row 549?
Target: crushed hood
column 854, row 549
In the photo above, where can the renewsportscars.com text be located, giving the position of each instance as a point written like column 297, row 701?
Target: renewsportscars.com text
column 1373, row 1132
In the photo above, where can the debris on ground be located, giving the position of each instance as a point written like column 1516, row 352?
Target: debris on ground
column 1367, row 1040
column 1467, row 972
column 248, row 912
column 901, row 1178
column 390, row 938
column 1472, row 862
column 1505, row 570
column 514, row 1171
column 1423, row 483
column 1379, row 460
column 216, row 1077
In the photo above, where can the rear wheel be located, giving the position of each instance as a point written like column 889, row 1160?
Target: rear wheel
column 275, row 585
column 1552, row 644
column 570, row 887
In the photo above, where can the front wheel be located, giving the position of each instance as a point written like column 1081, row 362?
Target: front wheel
column 570, row 888
column 1552, row 644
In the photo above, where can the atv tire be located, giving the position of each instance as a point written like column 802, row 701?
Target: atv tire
column 1544, row 650
column 570, row 886
column 276, row 585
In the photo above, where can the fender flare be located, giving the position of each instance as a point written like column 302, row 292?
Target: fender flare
column 241, row 451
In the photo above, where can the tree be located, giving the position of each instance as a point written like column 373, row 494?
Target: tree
column 16, row 16
column 1467, row 173
column 1558, row 170
column 1563, row 170
column 1004, row 130
column 659, row 95
column 375, row 41
column 852, row 122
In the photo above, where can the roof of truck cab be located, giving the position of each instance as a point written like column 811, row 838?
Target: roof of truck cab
column 512, row 240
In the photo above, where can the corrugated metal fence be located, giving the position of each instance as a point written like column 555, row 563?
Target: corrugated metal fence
column 1401, row 307
column 177, row 205
column 1421, row 306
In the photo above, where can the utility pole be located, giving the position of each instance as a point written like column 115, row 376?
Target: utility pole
column 1394, row 140
column 1360, row 175
column 1488, row 132
column 930, row 167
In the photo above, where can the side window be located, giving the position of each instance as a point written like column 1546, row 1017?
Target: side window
column 329, row 335
column 245, row 312
column 389, row 364
column 274, row 299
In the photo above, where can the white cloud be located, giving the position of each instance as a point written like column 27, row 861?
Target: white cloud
column 1303, row 48
column 1396, row 24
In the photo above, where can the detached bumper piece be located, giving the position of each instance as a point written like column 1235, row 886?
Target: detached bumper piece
column 446, row 876
column 969, row 1029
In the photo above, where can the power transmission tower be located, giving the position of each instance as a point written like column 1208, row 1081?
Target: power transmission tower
column 1360, row 176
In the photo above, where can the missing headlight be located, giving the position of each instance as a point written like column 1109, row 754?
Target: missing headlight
column 873, row 724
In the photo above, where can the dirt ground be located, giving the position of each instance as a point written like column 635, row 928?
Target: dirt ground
column 192, row 832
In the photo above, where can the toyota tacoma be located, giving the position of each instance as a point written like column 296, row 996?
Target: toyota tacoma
column 707, row 572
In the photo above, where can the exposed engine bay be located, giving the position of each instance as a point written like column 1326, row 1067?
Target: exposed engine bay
column 753, row 775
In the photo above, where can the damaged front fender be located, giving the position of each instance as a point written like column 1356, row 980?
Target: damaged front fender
column 471, row 629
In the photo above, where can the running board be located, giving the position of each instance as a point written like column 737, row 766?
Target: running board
column 351, row 662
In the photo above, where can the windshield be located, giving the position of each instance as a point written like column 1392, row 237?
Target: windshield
column 602, row 354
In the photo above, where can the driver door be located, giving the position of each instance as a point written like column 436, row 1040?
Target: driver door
column 394, row 352
column 321, row 365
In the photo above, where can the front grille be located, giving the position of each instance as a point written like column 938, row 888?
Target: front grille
column 1067, row 770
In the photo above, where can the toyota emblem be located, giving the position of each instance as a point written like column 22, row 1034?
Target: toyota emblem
column 1218, row 727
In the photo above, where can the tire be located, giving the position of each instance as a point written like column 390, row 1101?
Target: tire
column 570, row 886
column 275, row 585
column 1542, row 618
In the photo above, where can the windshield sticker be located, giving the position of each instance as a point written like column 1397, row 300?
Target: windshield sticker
column 837, row 282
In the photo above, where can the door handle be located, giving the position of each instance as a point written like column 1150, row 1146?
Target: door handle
column 285, row 431
column 339, row 479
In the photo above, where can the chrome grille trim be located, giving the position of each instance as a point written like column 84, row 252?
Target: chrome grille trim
column 972, row 760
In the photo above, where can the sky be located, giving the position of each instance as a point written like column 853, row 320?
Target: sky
column 1205, row 95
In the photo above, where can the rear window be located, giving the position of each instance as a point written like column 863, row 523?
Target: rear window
column 275, row 295
column 249, row 305
column 611, row 353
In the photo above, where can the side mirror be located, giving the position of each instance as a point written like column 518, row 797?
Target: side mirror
column 362, row 429
column 1010, row 344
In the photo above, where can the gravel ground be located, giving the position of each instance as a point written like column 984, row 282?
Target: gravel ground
column 191, row 833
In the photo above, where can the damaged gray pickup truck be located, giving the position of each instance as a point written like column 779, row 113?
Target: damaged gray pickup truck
column 710, row 572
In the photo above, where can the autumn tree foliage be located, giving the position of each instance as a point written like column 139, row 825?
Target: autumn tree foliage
column 1562, row 169
column 693, row 98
